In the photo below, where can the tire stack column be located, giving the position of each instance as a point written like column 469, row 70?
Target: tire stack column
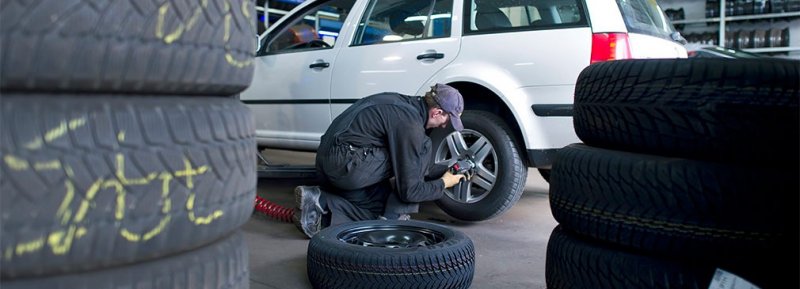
column 126, row 160
column 687, row 166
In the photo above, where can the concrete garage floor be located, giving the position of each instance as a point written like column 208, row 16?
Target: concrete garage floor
column 510, row 249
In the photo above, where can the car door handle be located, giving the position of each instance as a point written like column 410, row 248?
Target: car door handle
column 434, row 55
column 319, row 65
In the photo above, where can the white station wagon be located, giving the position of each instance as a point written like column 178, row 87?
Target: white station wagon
column 514, row 61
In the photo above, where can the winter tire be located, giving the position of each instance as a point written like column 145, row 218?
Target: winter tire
column 499, row 178
column 135, row 46
column 92, row 181
column 734, row 111
column 675, row 207
column 221, row 265
column 578, row 263
column 390, row 254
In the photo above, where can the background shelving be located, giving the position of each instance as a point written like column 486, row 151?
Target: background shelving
column 724, row 26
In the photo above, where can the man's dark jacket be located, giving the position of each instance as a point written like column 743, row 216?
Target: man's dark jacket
column 395, row 124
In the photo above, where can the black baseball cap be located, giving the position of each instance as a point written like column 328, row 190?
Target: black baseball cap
column 451, row 101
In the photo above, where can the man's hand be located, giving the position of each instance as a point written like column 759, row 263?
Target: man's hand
column 450, row 179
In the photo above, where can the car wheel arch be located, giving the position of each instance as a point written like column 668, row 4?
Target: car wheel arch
column 480, row 97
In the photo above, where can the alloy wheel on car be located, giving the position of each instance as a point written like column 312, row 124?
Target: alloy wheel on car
column 474, row 145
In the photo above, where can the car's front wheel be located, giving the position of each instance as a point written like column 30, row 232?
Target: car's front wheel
column 499, row 176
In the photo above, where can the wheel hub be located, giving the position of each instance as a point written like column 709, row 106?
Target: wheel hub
column 391, row 236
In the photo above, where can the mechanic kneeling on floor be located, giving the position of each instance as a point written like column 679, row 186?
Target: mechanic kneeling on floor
column 375, row 160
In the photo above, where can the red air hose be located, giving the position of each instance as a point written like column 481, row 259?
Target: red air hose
column 274, row 210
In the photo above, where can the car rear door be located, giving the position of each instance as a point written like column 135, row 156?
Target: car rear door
column 290, row 92
column 398, row 46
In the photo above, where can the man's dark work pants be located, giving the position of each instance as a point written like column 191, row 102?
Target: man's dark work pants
column 358, row 184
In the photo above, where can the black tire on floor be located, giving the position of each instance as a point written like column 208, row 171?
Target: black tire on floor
column 675, row 207
column 221, row 265
column 502, row 171
column 577, row 263
column 360, row 255
column 202, row 47
column 101, row 180
column 735, row 111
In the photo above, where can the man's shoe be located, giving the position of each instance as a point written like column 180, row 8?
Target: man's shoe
column 308, row 215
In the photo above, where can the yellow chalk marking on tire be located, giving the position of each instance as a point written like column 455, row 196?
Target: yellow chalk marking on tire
column 158, row 229
column 172, row 36
column 188, row 172
column 133, row 237
column 56, row 132
column 166, row 178
column 34, row 144
column 29, row 247
column 120, row 172
column 49, row 165
column 227, row 36
column 64, row 212
column 62, row 129
column 200, row 220
column 61, row 242
column 69, row 171
column 76, row 123
column 245, row 11
column 16, row 163
column 238, row 64
column 90, row 193
column 182, row 27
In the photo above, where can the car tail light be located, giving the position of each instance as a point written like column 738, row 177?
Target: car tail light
column 610, row 46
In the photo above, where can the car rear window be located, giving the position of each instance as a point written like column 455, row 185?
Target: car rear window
column 510, row 15
column 645, row 17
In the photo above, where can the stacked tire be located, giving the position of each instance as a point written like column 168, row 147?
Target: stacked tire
column 126, row 156
column 687, row 166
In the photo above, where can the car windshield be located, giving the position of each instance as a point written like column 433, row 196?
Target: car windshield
column 645, row 17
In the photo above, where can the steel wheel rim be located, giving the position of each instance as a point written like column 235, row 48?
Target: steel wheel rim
column 470, row 142
column 391, row 236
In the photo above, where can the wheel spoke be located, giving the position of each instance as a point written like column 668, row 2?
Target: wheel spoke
column 484, row 178
column 480, row 149
column 463, row 195
column 456, row 144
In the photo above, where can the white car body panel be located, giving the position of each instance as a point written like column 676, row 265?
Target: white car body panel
column 388, row 67
column 522, row 77
column 521, row 68
column 291, row 124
